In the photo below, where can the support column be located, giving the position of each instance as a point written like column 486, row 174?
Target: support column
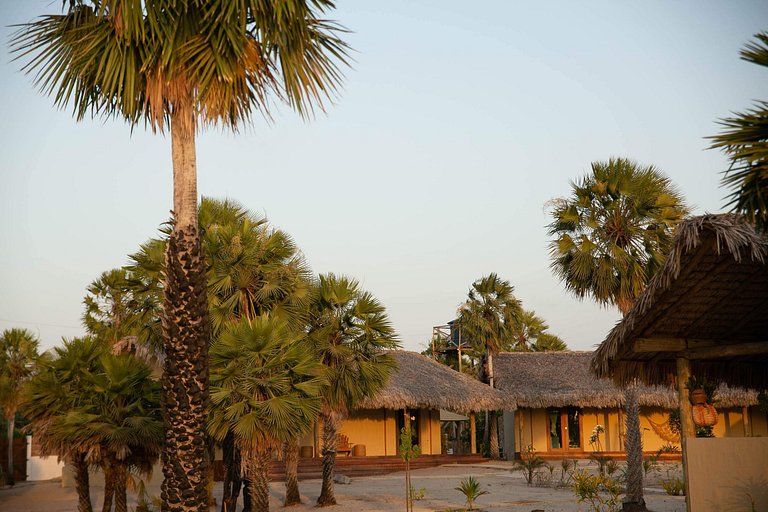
column 472, row 434
column 745, row 420
column 687, row 428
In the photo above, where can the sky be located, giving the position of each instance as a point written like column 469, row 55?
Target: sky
column 457, row 124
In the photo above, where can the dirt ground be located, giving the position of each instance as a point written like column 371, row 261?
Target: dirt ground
column 506, row 491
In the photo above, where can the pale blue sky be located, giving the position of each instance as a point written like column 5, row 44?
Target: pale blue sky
column 459, row 121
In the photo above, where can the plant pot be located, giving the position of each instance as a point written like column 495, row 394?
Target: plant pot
column 704, row 415
column 698, row 396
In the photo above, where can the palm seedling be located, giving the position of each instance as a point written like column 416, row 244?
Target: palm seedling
column 470, row 488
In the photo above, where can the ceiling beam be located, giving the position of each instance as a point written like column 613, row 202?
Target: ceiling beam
column 645, row 345
column 699, row 348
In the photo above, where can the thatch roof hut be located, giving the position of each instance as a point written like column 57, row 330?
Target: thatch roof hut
column 708, row 304
column 539, row 380
column 421, row 383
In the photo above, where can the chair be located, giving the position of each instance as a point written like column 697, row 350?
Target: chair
column 342, row 445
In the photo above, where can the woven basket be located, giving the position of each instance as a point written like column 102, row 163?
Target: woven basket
column 704, row 415
column 698, row 396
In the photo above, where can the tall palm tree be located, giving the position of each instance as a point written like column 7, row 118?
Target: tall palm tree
column 184, row 65
column 546, row 342
column 744, row 140
column 265, row 390
column 18, row 360
column 530, row 332
column 487, row 318
column 350, row 329
column 610, row 236
column 59, row 388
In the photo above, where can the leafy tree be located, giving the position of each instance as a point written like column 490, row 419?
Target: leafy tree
column 183, row 65
column 610, row 237
column 18, row 361
column 349, row 330
column 546, row 342
column 58, row 389
column 744, row 139
column 613, row 233
column 487, row 318
column 265, row 390
column 530, row 333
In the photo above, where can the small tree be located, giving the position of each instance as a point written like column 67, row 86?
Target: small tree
column 470, row 488
column 408, row 452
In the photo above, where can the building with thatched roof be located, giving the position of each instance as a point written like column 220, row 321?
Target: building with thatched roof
column 420, row 390
column 704, row 314
column 560, row 401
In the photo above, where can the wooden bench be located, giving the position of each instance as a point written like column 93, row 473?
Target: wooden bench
column 342, row 445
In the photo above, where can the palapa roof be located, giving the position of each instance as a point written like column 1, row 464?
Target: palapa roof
column 709, row 302
column 420, row 382
column 538, row 380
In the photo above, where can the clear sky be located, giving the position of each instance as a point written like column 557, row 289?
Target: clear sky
column 456, row 125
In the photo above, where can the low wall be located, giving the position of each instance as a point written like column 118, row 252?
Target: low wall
column 728, row 474
column 41, row 467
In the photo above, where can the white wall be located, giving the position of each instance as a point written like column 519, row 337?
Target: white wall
column 42, row 468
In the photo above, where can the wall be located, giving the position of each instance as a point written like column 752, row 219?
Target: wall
column 40, row 467
column 725, row 473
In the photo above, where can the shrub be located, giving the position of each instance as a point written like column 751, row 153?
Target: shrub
column 470, row 488
column 674, row 486
column 601, row 461
column 588, row 489
column 529, row 464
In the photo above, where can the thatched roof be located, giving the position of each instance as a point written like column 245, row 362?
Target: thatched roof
column 420, row 382
column 712, row 293
column 538, row 380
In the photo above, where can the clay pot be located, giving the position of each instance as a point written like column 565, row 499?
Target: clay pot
column 698, row 396
column 704, row 415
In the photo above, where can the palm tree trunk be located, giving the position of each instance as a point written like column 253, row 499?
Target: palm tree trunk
column 121, row 498
column 633, row 501
column 186, row 333
column 257, row 473
column 493, row 441
column 109, row 485
column 9, row 477
column 331, row 422
column 82, row 483
column 291, row 457
column 232, row 482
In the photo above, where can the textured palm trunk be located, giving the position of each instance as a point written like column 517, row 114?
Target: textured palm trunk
column 9, row 477
column 291, row 456
column 232, row 482
column 82, row 483
column 331, row 420
column 257, row 473
column 121, row 498
column 109, row 486
column 493, row 440
column 633, row 501
column 186, row 333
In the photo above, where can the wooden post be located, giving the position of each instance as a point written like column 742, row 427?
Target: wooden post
column 686, row 420
column 472, row 434
column 745, row 419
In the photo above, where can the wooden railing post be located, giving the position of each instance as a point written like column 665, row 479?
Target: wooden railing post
column 687, row 428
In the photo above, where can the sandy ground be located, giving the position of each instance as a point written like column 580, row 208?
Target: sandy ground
column 506, row 491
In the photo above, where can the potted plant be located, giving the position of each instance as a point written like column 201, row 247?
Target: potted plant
column 702, row 396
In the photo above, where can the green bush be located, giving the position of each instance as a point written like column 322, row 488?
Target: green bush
column 674, row 486
column 470, row 488
column 600, row 492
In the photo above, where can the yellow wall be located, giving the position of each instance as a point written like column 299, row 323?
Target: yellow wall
column 531, row 428
column 377, row 430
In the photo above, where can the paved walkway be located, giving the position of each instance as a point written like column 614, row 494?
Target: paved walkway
column 506, row 491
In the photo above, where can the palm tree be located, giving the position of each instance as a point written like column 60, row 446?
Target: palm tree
column 122, row 416
column 58, row 389
column 350, row 329
column 530, row 334
column 611, row 236
column 18, row 359
column 184, row 65
column 487, row 319
column 744, row 140
column 546, row 342
column 265, row 390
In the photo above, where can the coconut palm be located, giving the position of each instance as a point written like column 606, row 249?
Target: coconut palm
column 613, row 233
column 349, row 331
column 18, row 360
column 546, row 342
column 183, row 65
column 610, row 237
column 265, row 390
column 487, row 318
column 530, row 333
column 744, row 140
column 60, row 387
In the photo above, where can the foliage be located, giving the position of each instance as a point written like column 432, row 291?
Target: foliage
column 418, row 494
column 744, row 139
column 762, row 401
column 530, row 332
column 408, row 452
column 594, row 438
column 613, row 233
column 669, row 448
column 709, row 387
column 470, row 488
column 601, row 461
column 600, row 492
column 675, row 425
column 529, row 464
column 567, row 467
column 674, row 486
column 651, row 465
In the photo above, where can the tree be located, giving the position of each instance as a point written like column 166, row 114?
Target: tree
column 58, row 389
column 350, row 329
column 487, row 318
column 744, row 140
column 265, row 390
column 530, row 334
column 18, row 360
column 610, row 237
column 184, row 65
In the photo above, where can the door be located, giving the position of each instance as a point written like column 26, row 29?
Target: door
column 564, row 425
column 414, row 424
